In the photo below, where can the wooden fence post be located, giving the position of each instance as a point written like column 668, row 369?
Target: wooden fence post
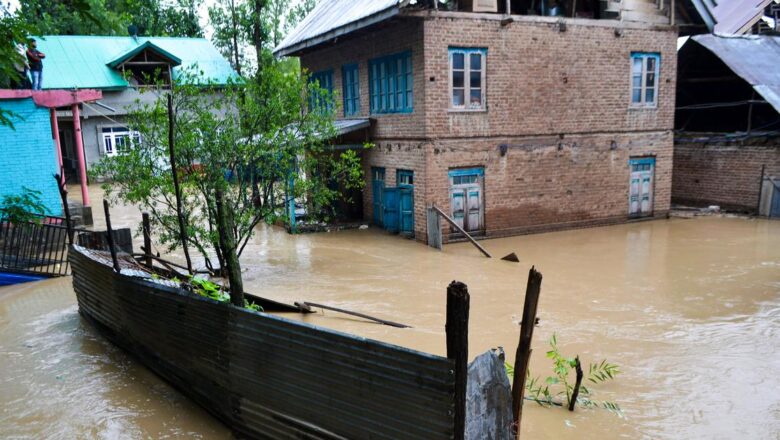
column 457, row 328
column 523, row 354
column 110, row 237
column 65, row 208
column 147, row 227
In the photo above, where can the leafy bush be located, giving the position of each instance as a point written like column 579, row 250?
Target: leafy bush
column 24, row 207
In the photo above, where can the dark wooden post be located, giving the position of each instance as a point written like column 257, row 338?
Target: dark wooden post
column 523, row 354
column 576, row 392
column 177, row 190
column 110, row 236
column 147, row 227
column 457, row 328
column 65, row 208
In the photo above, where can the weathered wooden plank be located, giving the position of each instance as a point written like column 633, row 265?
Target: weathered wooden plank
column 462, row 231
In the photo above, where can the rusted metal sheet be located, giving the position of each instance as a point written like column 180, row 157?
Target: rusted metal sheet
column 753, row 58
column 266, row 376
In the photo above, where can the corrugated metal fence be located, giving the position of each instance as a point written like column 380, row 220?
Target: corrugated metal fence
column 267, row 376
column 36, row 247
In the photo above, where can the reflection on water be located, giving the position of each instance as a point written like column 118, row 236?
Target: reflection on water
column 690, row 310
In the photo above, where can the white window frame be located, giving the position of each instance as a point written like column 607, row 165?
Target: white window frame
column 114, row 133
column 467, row 89
column 644, row 86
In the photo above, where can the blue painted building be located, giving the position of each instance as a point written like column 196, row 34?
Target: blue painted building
column 28, row 156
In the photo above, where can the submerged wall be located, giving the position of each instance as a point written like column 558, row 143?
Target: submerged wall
column 27, row 154
column 727, row 174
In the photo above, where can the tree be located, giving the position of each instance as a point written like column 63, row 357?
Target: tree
column 228, row 19
column 239, row 162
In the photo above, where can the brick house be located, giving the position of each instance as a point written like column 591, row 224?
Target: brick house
column 727, row 143
column 511, row 123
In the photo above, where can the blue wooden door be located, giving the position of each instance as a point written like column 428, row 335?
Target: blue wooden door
column 775, row 208
column 391, row 198
column 377, row 186
column 406, row 224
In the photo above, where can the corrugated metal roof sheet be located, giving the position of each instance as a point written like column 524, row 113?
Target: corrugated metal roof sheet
column 82, row 61
column 754, row 58
column 730, row 17
column 331, row 18
column 345, row 126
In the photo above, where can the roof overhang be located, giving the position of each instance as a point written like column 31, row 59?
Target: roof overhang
column 752, row 58
column 53, row 98
column 319, row 38
column 128, row 55
column 344, row 126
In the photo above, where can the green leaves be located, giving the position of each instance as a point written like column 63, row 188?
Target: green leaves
column 23, row 207
column 556, row 390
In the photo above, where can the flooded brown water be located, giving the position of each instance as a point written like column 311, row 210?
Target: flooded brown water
column 690, row 310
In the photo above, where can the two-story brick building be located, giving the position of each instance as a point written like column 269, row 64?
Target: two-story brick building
column 512, row 123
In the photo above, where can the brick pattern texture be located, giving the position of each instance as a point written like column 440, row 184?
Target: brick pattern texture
column 727, row 174
column 559, row 100
column 28, row 157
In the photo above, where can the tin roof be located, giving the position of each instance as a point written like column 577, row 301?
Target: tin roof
column 84, row 62
column 753, row 58
column 333, row 18
column 344, row 126
column 730, row 17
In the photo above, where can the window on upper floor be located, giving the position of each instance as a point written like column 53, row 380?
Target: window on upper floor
column 645, row 68
column 467, row 78
column 322, row 96
column 117, row 140
column 351, row 85
column 390, row 83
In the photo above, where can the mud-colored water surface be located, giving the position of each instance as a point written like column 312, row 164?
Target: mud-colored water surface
column 690, row 310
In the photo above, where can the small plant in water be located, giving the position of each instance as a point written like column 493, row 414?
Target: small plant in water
column 557, row 390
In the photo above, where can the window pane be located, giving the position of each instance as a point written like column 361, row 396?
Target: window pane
column 457, row 78
column 636, row 81
column 651, row 64
column 636, row 96
column 476, row 80
column 476, row 98
column 457, row 97
column 650, row 96
column 636, row 69
column 457, row 61
column 650, row 80
column 476, row 61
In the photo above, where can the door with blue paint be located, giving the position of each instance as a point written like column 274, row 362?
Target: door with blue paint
column 775, row 207
column 377, row 187
column 640, row 198
column 466, row 198
column 405, row 179
column 391, row 199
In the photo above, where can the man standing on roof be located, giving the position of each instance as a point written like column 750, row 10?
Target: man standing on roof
column 35, row 58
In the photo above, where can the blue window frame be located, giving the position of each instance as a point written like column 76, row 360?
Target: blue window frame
column 464, row 176
column 467, row 78
column 350, row 82
column 645, row 69
column 390, row 82
column 323, row 98
column 404, row 178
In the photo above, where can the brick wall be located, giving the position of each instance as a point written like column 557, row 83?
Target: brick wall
column 544, row 184
column 727, row 174
column 400, row 36
column 27, row 154
column 543, row 81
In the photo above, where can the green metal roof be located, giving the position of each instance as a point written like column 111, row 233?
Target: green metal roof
column 175, row 61
column 84, row 61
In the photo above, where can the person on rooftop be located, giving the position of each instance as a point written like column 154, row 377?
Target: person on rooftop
column 35, row 59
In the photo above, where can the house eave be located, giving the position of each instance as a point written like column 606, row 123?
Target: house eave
column 371, row 20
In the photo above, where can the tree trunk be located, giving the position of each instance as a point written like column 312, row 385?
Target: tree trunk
column 227, row 242
column 234, row 22
column 258, row 31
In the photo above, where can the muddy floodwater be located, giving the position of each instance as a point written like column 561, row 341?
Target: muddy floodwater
column 689, row 310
